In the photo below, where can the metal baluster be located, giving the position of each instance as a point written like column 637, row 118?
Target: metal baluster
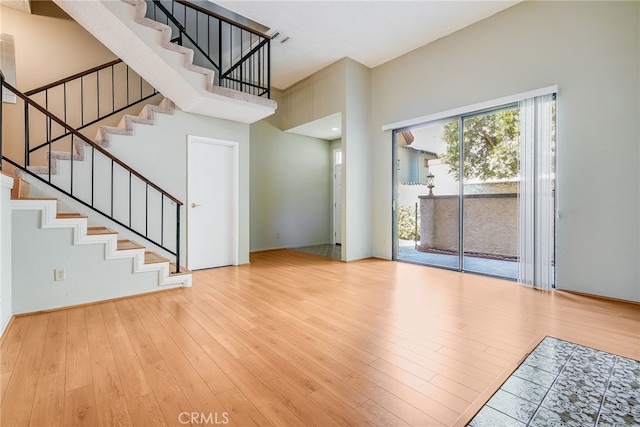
column 26, row 134
column 146, row 210
column 49, row 142
column 113, row 89
column 93, row 162
column 177, row 238
column 81, row 101
column 130, row 191
column 64, row 101
column 112, row 187
column 161, row 219
column 98, row 94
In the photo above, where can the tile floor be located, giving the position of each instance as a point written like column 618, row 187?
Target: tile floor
column 329, row 251
column 565, row 384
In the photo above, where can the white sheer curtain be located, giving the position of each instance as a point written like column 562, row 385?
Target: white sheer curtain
column 536, row 203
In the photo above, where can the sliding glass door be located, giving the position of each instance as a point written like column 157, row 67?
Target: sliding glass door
column 462, row 200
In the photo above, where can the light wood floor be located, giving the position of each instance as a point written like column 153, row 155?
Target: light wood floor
column 292, row 340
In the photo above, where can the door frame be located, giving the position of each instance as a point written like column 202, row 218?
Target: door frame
column 235, row 190
column 336, row 197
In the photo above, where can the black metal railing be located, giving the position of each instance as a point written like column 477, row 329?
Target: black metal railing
column 239, row 54
column 88, row 97
column 92, row 176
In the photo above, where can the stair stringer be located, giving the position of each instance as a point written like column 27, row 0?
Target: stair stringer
column 127, row 124
column 145, row 47
column 49, row 219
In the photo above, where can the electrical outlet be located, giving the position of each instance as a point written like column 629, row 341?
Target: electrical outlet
column 59, row 274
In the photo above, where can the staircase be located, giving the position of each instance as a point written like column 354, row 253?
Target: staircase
column 57, row 155
column 159, row 271
column 147, row 46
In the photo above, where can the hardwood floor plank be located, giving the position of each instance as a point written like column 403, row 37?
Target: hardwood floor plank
column 145, row 350
column 426, row 388
column 78, row 368
column 134, row 381
column 335, row 408
column 54, row 352
column 287, row 392
column 206, row 322
column 392, row 403
column 48, row 402
column 12, row 342
column 196, row 390
column 169, row 395
column 80, row 407
column 145, row 411
column 111, row 404
column 267, row 403
column 241, row 410
column 379, row 416
column 211, row 374
column 18, row 402
column 293, row 340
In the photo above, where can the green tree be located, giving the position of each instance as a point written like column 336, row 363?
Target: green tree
column 491, row 147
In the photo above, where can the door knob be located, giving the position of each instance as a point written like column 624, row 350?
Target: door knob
column 194, row 205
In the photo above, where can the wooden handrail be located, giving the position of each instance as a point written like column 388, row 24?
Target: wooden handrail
column 90, row 142
column 222, row 18
column 73, row 77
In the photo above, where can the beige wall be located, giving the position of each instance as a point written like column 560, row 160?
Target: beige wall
column 290, row 191
column 591, row 50
column 490, row 224
column 342, row 87
column 49, row 46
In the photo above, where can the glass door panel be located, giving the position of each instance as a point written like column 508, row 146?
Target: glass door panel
column 427, row 199
column 491, row 152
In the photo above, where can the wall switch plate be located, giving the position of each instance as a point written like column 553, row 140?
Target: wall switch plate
column 59, row 274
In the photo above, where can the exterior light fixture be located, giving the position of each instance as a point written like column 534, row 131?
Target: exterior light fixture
column 430, row 183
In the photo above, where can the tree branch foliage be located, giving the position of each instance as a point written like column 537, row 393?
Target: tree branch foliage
column 491, row 147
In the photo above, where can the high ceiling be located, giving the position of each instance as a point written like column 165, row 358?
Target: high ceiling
column 370, row 32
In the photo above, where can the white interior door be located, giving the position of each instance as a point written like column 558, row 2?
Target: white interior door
column 212, row 196
column 337, row 196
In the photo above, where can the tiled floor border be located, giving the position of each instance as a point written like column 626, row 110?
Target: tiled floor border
column 581, row 383
column 484, row 397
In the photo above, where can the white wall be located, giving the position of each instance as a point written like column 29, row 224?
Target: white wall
column 6, row 309
column 591, row 50
column 290, row 189
column 89, row 277
column 357, row 157
column 342, row 87
column 159, row 152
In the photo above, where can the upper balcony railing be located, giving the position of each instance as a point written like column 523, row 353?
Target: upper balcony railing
column 239, row 54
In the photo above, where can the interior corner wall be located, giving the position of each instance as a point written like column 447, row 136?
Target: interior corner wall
column 357, row 159
column 49, row 48
column 6, row 307
column 290, row 191
column 315, row 97
column 591, row 50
